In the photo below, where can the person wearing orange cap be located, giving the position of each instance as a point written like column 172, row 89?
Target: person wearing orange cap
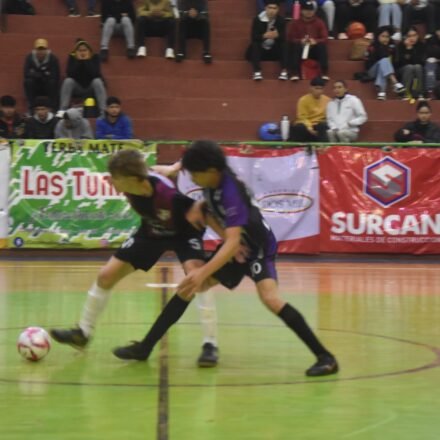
column 41, row 74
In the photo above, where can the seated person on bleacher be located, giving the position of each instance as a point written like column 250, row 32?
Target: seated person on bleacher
column 431, row 66
column 267, row 40
column 419, row 11
column 309, row 31
column 114, row 124
column 118, row 18
column 364, row 11
column 194, row 23
column 11, row 123
column 155, row 18
column 74, row 11
column 43, row 122
column 345, row 115
column 390, row 14
column 422, row 130
column 83, row 77
column 73, row 126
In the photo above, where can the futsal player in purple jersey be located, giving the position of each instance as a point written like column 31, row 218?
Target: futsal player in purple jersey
column 164, row 227
column 238, row 220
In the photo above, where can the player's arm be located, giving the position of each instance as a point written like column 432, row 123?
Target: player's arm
column 170, row 171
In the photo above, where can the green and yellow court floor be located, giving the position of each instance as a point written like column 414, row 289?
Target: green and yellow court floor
column 382, row 320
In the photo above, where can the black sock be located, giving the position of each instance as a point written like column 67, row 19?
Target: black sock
column 170, row 315
column 294, row 320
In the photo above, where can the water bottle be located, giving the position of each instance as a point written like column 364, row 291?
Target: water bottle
column 285, row 128
column 296, row 10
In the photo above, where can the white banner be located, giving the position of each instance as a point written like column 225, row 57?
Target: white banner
column 5, row 159
column 285, row 184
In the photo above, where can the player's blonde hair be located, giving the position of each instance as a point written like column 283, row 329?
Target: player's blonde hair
column 128, row 163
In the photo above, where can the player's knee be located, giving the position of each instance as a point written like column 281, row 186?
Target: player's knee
column 272, row 302
column 105, row 279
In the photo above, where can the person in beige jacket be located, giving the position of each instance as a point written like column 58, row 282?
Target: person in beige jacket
column 155, row 18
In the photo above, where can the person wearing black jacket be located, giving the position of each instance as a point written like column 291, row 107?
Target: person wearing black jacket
column 11, row 123
column 83, row 77
column 268, row 40
column 42, row 124
column 422, row 130
column 118, row 18
column 194, row 23
column 409, row 58
column 41, row 74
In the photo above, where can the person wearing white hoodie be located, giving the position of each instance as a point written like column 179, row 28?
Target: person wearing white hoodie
column 73, row 126
column 345, row 114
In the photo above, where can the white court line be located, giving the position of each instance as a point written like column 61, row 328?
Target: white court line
column 162, row 285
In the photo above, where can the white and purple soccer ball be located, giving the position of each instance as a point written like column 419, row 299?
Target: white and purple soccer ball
column 33, row 343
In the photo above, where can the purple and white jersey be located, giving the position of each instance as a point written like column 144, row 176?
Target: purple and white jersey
column 232, row 205
column 163, row 213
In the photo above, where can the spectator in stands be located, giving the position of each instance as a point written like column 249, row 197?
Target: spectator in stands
column 117, row 17
column 11, row 123
column 363, row 11
column 309, row 33
column 268, row 40
column 419, row 11
column 420, row 130
column 310, row 122
column 390, row 14
column 194, row 23
column 42, row 124
column 378, row 63
column 83, row 76
column 345, row 115
column 431, row 64
column 156, row 19
column 20, row 7
column 73, row 126
column 41, row 75
column 408, row 62
column 114, row 124
column 74, row 11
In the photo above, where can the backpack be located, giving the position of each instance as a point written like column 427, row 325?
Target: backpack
column 358, row 49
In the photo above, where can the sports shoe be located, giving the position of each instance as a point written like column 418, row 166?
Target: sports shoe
column 169, row 53
column 131, row 52
column 342, row 36
column 381, row 96
column 325, row 77
column 428, row 36
column 324, row 366
column 74, row 337
column 103, row 55
column 283, row 76
column 294, row 78
column 73, row 13
column 209, row 356
column 142, row 51
column 369, row 36
column 397, row 36
column 399, row 88
column 180, row 57
column 257, row 76
column 207, row 58
column 134, row 351
column 92, row 14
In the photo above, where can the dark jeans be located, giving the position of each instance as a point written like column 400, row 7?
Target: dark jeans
column 425, row 15
column 299, row 133
column 366, row 13
column 36, row 87
column 148, row 27
column 317, row 52
column 255, row 54
column 194, row 28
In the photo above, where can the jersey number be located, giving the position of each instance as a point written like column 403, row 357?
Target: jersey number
column 195, row 244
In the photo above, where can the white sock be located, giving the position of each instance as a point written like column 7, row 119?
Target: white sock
column 96, row 301
column 208, row 316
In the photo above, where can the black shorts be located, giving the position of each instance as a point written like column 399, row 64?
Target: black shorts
column 231, row 274
column 143, row 252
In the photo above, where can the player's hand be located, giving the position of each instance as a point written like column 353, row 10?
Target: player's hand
column 196, row 215
column 242, row 254
column 191, row 284
column 166, row 170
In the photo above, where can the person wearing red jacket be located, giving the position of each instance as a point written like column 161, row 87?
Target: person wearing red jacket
column 308, row 34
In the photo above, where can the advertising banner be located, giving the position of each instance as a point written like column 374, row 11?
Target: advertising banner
column 60, row 195
column 377, row 201
column 285, row 185
column 4, row 185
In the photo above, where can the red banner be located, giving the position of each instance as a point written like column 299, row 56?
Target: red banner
column 377, row 201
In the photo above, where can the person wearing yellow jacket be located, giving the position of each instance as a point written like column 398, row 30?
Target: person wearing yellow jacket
column 155, row 18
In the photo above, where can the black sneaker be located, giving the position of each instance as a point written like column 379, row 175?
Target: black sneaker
column 103, row 55
column 73, row 13
column 74, row 337
column 207, row 58
column 131, row 53
column 134, row 351
column 209, row 356
column 324, row 366
column 180, row 57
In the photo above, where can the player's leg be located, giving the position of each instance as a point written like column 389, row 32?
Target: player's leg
column 264, row 275
column 97, row 298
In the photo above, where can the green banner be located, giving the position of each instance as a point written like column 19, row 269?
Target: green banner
column 60, row 195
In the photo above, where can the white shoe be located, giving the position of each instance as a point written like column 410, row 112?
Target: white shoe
column 342, row 36
column 369, row 36
column 381, row 96
column 397, row 36
column 169, row 53
column 257, row 76
column 142, row 51
column 60, row 114
column 399, row 88
column 283, row 76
